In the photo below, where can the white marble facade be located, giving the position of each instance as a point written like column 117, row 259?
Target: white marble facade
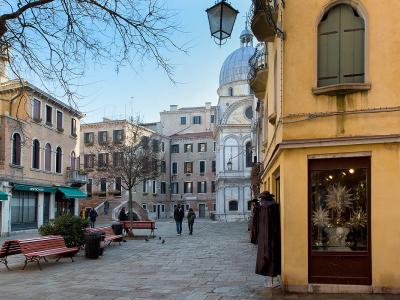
column 233, row 134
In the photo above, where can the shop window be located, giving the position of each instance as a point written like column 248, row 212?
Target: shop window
column 58, row 160
column 47, row 157
column 233, row 205
column 36, row 154
column 341, row 56
column 16, row 149
column 339, row 208
column 23, row 210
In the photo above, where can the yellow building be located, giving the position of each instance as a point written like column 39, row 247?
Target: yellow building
column 331, row 133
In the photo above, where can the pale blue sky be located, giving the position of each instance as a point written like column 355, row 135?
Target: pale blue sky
column 147, row 90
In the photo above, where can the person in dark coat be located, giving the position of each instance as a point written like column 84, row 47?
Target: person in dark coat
column 254, row 221
column 106, row 207
column 179, row 214
column 92, row 216
column 191, row 216
column 269, row 237
column 122, row 215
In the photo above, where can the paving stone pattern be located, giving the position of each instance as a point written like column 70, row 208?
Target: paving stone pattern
column 217, row 262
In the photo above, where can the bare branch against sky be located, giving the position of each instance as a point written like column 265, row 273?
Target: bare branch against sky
column 55, row 40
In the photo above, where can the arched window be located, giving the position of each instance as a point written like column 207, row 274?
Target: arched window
column 36, row 154
column 58, row 160
column 341, row 52
column 230, row 91
column 233, row 205
column 16, row 149
column 248, row 155
column 73, row 160
column 47, row 157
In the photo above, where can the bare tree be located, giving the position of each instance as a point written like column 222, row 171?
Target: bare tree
column 133, row 157
column 55, row 39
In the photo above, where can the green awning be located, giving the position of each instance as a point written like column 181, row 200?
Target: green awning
column 34, row 188
column 70, row 192
column 3, row 196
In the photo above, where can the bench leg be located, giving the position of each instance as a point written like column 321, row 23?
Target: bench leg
column 72, row 259
column 58, row 258
column 26, row 262
column 45, row 259
column 38, row 262
column 4, row 261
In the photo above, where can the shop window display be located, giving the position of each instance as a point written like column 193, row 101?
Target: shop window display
column 339, row 209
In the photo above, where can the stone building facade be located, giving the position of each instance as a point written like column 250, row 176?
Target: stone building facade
column 39, row 157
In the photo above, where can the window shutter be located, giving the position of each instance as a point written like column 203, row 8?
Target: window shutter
column 329, row 48
column 352, row 32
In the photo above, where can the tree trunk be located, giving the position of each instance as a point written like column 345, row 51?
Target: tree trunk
column 130, row 212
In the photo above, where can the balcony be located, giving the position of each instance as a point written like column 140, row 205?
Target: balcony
column 77, row 177
column 258, row 73
column 264, row 16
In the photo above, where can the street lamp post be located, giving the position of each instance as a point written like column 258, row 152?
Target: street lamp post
column 221, row 18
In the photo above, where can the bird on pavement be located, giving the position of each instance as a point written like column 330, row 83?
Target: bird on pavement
column 146, row 239
column 159, row 238
column 163, row 241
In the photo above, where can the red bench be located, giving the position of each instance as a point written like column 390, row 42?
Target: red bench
column 109, row 234
column 151, row 225
column 9, row 247
column 35, row 249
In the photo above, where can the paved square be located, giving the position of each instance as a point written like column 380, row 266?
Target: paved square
column 217, row 262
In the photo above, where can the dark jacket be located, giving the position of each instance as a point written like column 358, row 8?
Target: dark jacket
column 269, row 239
column 179, row 214
column 122, row 216
column 93, row 215
column 191, row 216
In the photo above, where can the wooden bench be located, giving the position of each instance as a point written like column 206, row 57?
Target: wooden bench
column 151, row 225
column 35, row 249
column 110, row 236
column 9, row 247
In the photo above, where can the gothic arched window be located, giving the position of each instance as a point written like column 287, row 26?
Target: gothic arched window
column 36, row 154
column 58, row 160
column 16, row 149
column 47, row 157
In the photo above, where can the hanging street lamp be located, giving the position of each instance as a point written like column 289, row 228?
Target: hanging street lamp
column 221, row 18
column 229, row 165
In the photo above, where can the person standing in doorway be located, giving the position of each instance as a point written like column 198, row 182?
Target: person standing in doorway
column 93, row 216
column 179, row 214
column 191, row 216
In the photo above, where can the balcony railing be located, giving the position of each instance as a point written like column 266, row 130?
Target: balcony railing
column 263, row 19
column 77, row 177
column 258, row 61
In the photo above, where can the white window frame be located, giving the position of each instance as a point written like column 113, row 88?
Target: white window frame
column 52, row 114
column 40, row 108
column 62, row 119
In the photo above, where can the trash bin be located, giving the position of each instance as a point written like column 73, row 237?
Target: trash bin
column 117, row 228
column 92, row 245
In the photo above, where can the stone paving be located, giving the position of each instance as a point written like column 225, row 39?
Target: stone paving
column 216, row 262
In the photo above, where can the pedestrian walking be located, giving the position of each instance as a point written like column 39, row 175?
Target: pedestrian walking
column 179, row 214
column 93, row 216
column 191, row 216
column 122, row 215
column 83, row 214
column 106, row 207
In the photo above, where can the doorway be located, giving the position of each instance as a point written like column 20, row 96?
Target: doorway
column 339, row 218
column 202, row 210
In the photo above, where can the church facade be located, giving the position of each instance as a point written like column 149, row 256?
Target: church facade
column 233, row 134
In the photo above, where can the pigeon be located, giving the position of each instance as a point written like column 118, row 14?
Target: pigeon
column 146, row 239
column 163, row 241
column 159, row 238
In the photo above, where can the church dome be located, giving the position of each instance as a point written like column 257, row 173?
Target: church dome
column 236, row 66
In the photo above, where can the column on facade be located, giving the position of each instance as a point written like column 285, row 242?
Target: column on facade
column 40, row 209
column 52, row 213
column 76, row 207
column 6, row 213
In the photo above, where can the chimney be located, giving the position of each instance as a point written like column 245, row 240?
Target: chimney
column 173, row 107
column 208, row 105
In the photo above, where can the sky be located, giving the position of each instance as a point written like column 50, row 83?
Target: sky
column 146, row 90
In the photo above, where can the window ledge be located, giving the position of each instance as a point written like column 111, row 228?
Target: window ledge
column 16, row 166
column 341, row 89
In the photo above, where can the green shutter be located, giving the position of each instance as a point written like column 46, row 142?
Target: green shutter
column 352, row 32
column 328, row 48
